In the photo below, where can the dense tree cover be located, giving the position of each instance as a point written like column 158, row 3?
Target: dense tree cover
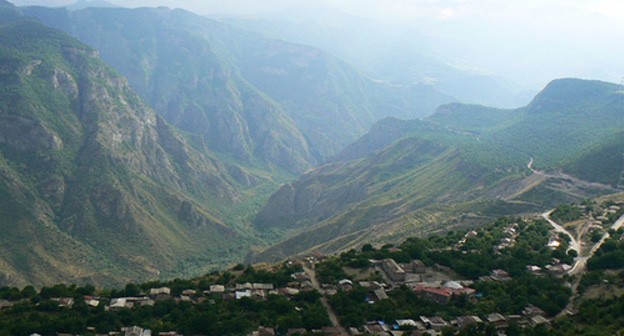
column 567, row 213
column 609, row 256
column 475, row 258
column 39, row 312
column 216, row 317
column 596, row 317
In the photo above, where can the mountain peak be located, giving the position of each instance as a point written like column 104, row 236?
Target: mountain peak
column 566, row 93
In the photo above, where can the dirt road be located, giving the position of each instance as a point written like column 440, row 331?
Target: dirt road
column 330, row 312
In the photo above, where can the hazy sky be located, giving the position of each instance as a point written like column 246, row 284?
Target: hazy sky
column 528, row 41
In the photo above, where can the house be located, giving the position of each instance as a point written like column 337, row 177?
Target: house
column 499, row 321
column 370, row 285
column 408, row 323
column 439, row 295
column 463, row 321
column 300, row 276
column 469, row 292
column 537, row 320
column 92, row 302
column 217, row 289
column 500, row 275
column 288, row 291
column 374, row 328
column 5, row 304
column 453, row 285
column 533, row 268
column 393, row 270
column 517, row 319
column 263, row 286
column 435, row 322
column 415, row 266
column 554, row 244
column 531, row 311
column 159, row 294
column 379, row 294
column 242, row 294
column 244, row 286
column 119, row 303
column 189, row 292
column 263, row 331
column 136, row 331
column 558, row 268
column 65, row 302
column 354, row 331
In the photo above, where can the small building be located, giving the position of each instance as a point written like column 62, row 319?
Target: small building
column 374, row 328
column 263, row 286
column 531, row 311
column 435, row 322
column 464, row 321
column 379, row 294
column 136, row 331
column 244, row 286
column 120, row 303
column 288, row 291
column 407, row 323
column 439, row 295
column 500, row 275
column 189, row 292
column 263, row 331
column 242, row 294
column 453, row 285
column 537, row 320
column 499, row 321
column 92, row 303
column 415, row 266
column 393, row 270
column 217, row 289
column 370, row 285
column 159, row 294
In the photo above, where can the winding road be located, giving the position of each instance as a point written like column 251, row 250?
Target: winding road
column 330, row 312
column 580, row 263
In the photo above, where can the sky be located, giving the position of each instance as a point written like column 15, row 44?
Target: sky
column 526, row 41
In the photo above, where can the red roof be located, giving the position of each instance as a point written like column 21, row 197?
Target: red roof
column 438, row 291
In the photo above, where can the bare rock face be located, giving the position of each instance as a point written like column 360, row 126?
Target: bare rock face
column 91, row 179
column 62, row 80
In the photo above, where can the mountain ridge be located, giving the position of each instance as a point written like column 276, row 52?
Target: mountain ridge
column 481, row 170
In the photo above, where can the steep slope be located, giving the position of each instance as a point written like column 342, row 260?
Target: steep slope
column 171, row 61
column 94, row 185
column 437, row 170
column 242, row 93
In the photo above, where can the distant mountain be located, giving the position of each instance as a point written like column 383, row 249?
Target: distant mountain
column 94, row 185
column 461, row 166
column 82, row 4
column 385, row 52
column 253, row 97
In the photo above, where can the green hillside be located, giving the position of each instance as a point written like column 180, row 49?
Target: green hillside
column 464, row 159
column 94, row 185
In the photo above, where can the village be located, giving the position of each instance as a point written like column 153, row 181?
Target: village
column 431, row 282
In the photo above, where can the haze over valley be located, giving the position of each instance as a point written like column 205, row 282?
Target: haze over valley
column 142, row 142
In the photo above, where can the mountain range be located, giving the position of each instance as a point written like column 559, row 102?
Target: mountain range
column 249, row 96
column 138, row 144
column 461, row 166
